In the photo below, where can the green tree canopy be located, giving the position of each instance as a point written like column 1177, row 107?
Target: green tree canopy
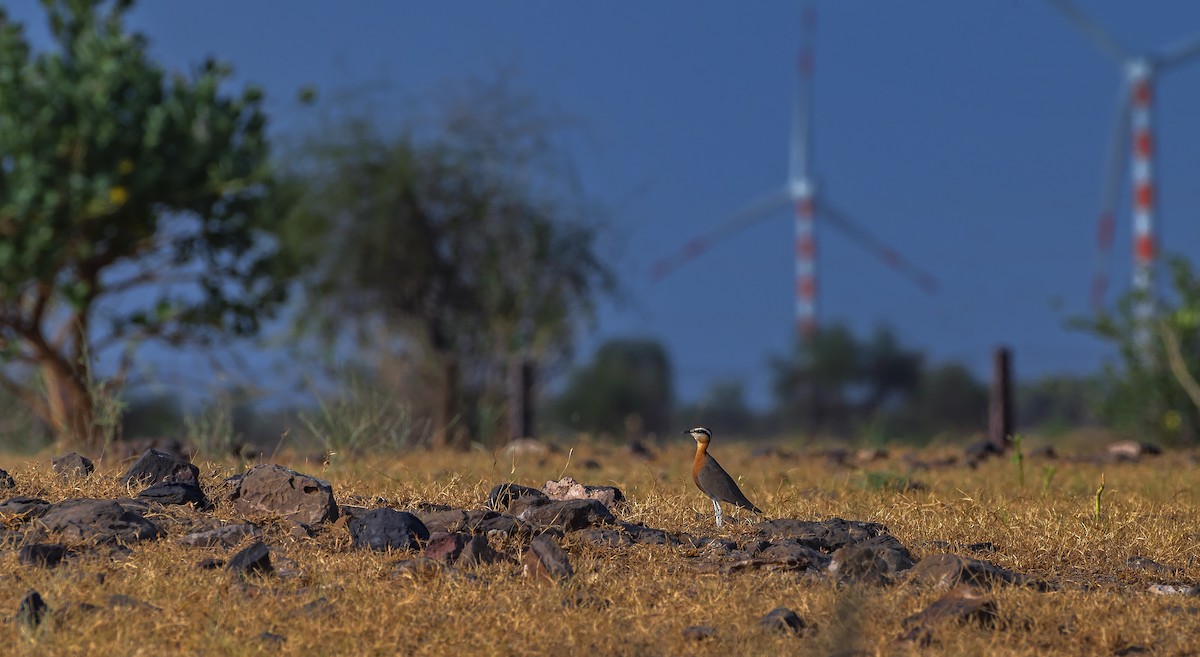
column 627, row 386
column 464, row 244
column 133, row 204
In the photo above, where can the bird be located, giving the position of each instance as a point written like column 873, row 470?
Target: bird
column 711, row 478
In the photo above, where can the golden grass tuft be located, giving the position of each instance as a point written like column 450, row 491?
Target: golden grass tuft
column 637, row 600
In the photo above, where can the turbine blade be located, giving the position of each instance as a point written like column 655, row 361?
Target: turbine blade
column 1180, row 52
column 881, row 250
column 1092, row 29
column 743, row 218
column 1113, row 174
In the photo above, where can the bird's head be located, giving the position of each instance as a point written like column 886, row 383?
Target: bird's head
column 700, row 434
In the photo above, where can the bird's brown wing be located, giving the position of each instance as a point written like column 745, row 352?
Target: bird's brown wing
column 718, row 483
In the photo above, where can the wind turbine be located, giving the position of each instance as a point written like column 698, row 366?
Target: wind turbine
column 802, row 193
column 1134, row 128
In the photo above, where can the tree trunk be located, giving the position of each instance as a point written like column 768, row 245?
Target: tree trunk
column 71, row 407
column 448, row 406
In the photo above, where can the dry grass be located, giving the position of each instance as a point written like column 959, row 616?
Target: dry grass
column 636, row 601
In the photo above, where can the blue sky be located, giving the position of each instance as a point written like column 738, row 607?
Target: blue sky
column 970, row 136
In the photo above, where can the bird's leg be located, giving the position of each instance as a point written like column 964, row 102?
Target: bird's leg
column 717, row 510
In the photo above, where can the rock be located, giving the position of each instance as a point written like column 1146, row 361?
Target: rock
column 484, row 521
column 32, row 609
column 479, row 551
column 154, row 467
column 870, row 455
column 210, row 564
column 102, row 520
column 272, row 639
column 591, row 464
column 168, row 492
column 875, row 561
column 226, row 536
column 568, row 515
column 46, row 555
column 1144, row 563
column 505, row 494
column 254, row 559
column 961, row 604
column 445, row 521
column 792, row 554
column 825, row 535
column 545, row 559
column 6, row 480
column 949, row 570
column 388, row 529
column 981, row 450
column 605, row 537
column 698, row 632
column 446, row 546
column 120, row 600
column 569, row 489
column 72, row 465
column 1174, row 589
column 783, row 620
column 275, row 490
column 31, row 507
column 1131, row 450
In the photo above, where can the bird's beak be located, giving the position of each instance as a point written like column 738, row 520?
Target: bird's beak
column 687, row 433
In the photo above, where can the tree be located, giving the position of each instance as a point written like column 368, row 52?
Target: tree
column 723, row 409
column 1147, row 392
column 133, row 206
column 947, row 398
column 627, row 387
column 461, row 246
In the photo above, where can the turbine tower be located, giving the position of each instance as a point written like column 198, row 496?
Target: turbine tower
column 807, row 205
column 1133, row 131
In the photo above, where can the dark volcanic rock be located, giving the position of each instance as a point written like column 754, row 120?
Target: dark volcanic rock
column 102, row 520
column 275, row 490
column 545, row 559
column 444, row 521
column 6, row 480
column 31, row 507
column 963, row 603
column 1146, row 563
column 825, row 535
column 793, row 554
column 485, row 521
column 783, row 620
column 698, row 632
column 567, row 515
column 167, row 492
column 72, row 465
column 46, row 555
column 504, row 494
column 874, row 561
column 461, row 549
column 226, row 536
column 254, row 559
column 479, row 551
column 605, row 537
column 949, row 570
column 32, row 609
column 153, row 467
column 384, row 528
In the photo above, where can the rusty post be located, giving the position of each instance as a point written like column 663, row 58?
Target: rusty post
column 1000, row 406
column 520, row 404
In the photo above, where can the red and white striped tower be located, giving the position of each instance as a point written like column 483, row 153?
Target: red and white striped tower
column 1144, row 243
column 800, row 186
column 806, row 270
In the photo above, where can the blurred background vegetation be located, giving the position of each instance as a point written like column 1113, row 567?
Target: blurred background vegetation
column 423, row 269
